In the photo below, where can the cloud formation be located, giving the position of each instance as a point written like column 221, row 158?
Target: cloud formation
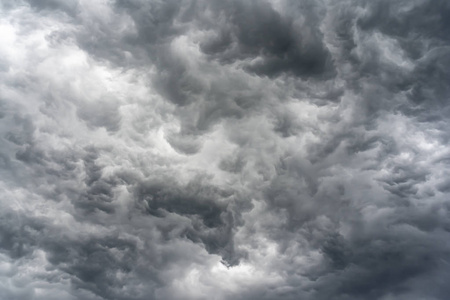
column 224, row 149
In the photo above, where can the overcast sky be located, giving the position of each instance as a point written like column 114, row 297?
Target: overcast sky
column 224, row 149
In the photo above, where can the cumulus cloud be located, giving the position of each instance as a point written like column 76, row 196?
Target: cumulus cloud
column 224, row 149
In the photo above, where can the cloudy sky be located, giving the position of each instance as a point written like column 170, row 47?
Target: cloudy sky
column 224, row 149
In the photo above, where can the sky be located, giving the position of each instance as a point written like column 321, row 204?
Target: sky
column 224, row 149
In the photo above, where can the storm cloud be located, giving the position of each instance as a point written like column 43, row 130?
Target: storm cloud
column 224, row 149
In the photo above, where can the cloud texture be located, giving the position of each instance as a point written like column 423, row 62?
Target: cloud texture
column 231, row 149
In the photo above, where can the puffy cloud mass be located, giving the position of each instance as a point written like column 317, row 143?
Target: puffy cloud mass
column 236, row 149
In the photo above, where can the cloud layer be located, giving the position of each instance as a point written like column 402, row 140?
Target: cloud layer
column 224, row 149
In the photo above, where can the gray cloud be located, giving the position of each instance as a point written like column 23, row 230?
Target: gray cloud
column 224, row 150
column 281, row 44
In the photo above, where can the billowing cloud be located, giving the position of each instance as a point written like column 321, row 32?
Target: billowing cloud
column 224, row 149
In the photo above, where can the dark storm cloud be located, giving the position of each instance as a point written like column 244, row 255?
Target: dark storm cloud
column 224, row 150
column 416, row 31
column 280, row 44
column 213, row 213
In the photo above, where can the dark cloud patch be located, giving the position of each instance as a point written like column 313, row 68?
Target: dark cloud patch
column 155, row 21
column 381, row 264
column 278, row 44
column 422, row 18
column 336, row 249
column 68, row 7
column 17, row 238
column 175, row 82
column 94, row 263
column 411, row 34
column 98, row 193
column 209, row 209
column 404, row 179
column 429, row 92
